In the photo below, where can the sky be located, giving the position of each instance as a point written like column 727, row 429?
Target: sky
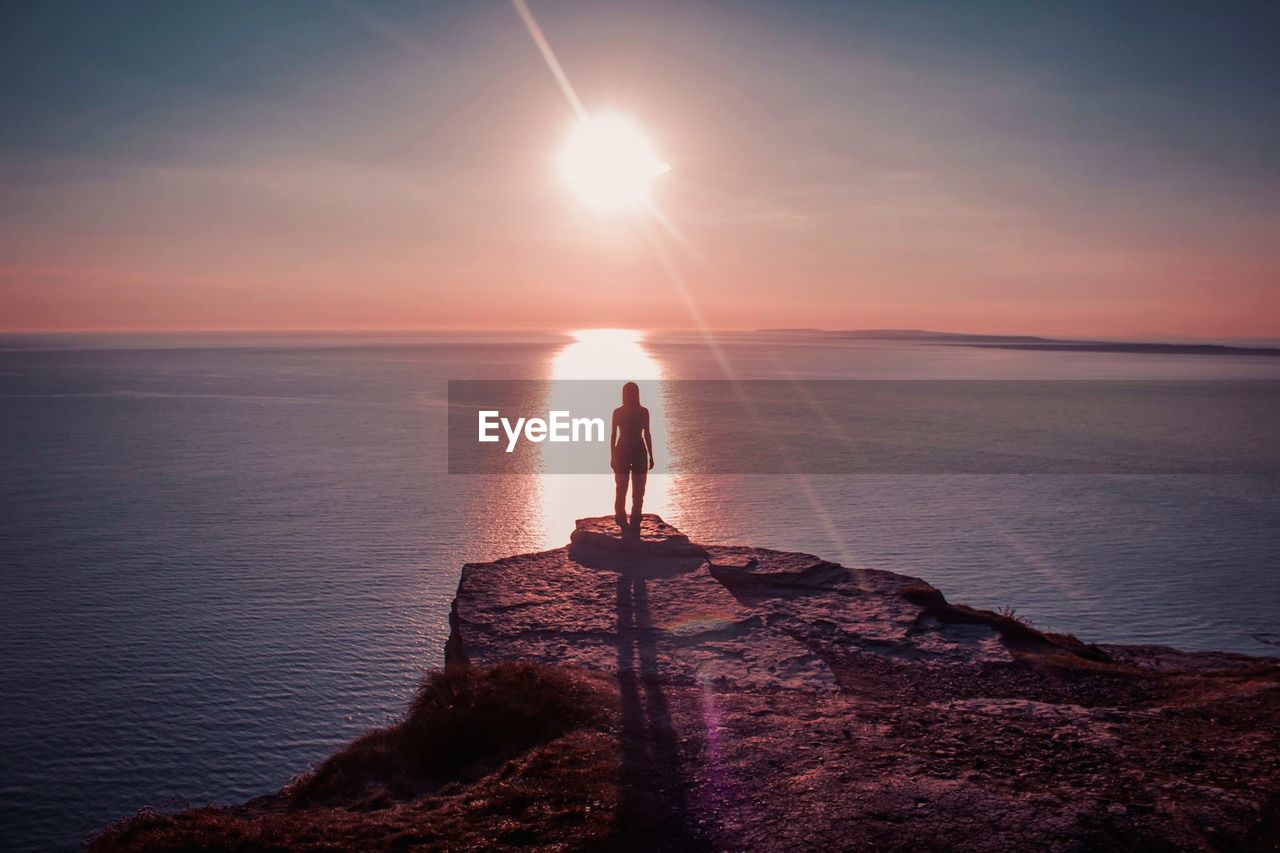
column 1088, row 168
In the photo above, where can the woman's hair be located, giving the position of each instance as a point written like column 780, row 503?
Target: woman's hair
column 631, row 394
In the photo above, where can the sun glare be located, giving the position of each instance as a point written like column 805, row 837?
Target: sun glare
column 609, row 164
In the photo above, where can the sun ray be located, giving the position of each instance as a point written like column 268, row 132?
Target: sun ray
column 674, row 231
column 549, row 56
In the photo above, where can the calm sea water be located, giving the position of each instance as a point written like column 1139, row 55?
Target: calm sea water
column 222, row 556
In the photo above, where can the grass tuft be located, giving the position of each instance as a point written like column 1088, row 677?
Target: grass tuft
column 462, row 723
column 512, row 755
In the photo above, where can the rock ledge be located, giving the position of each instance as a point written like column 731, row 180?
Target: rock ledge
column 773, row 699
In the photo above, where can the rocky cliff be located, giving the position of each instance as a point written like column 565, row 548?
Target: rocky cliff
column 775, row 699
column 649, row 692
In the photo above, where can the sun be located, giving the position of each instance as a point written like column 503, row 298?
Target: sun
column 609, row 164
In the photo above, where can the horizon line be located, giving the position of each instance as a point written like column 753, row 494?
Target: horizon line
column 1151, row 337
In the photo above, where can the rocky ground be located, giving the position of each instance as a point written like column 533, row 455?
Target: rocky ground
column 742, row 698
column 775, row 700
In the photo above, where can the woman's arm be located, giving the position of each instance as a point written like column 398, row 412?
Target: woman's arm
column 648, row 439
column 613, row 435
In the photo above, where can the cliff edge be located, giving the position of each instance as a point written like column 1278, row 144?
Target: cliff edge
column 652, row 693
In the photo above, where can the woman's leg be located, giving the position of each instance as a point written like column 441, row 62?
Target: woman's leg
column 620, row 494
column 639, row 476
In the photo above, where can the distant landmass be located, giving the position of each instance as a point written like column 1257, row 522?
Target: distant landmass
column 1027, row 342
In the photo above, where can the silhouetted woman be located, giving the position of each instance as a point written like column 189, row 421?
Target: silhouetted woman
column 630, row 454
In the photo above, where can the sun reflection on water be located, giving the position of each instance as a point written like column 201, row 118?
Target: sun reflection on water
column 600, row 354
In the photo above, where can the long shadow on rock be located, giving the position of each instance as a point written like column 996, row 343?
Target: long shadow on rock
column 653, row 807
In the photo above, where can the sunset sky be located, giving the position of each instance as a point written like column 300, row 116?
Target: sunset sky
column 1089, row 168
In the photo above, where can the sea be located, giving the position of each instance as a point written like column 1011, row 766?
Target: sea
column 223, row 555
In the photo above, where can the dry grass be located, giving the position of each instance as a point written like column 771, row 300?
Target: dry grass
column 514, row 755
column 1011, row 614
